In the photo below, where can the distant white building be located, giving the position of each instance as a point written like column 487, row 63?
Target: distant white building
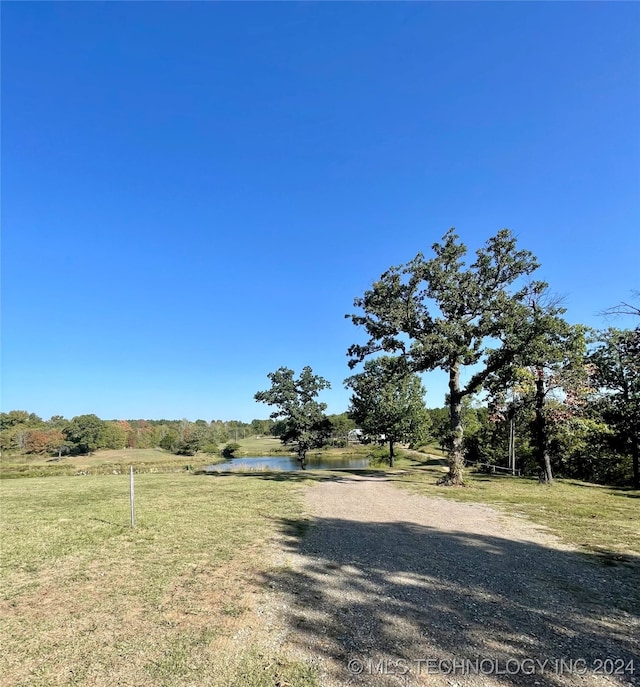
column 355, row 436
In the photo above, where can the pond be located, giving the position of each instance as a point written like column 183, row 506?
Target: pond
column 287, row 463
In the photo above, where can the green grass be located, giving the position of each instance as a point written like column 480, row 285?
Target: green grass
column 105, row 462
column 260, row 446
column 86, row 600
column 264, row 446
column 598, row 518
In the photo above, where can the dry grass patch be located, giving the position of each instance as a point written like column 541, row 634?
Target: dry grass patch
column 105, row 462
column 86, row 600
column 598, row 518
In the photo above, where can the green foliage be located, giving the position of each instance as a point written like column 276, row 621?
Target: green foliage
column 547, row 377
column 261, row 427
column 379, row 456
column 85, row 432
column 169, row 439
column 341, row 424
column 440, row 426
column 230, row 449
column 616, row 361
column 439, row 313
column 476, row 429
column 188, row 446
column 388, row 401
column 113, row 436
column 19, row 417
column 305, row 422
column 278, row 428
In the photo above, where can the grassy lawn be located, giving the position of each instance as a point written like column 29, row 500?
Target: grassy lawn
column 598, row 518
column 86, row 600
column 104, row 462
column 265, row 446
column 260, row 446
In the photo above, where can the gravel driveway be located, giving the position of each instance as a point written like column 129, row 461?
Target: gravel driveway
column 386, row 587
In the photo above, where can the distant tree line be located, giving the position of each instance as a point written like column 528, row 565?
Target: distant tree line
column 27, row 433
column 24, row 432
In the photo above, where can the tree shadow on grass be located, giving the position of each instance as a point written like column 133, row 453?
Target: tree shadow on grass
column 302, row 476
column 628, row 492
column 388, row 596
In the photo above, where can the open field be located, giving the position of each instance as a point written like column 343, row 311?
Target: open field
column 599, row 518
column 86, row 600
column 104, row 462
column 260, row 446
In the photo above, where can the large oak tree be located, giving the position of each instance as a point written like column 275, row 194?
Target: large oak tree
column 442, row 313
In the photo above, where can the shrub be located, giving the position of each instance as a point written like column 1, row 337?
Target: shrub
column 229, row 450
column 379, row 455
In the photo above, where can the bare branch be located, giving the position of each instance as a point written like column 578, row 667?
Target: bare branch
column 623, row 308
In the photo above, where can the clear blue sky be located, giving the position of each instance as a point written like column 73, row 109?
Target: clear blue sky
column 194, row 193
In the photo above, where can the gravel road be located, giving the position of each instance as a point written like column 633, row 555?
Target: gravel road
column 384, row 587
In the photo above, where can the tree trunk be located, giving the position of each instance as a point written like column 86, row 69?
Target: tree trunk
column 302, row 457
column 635, row 459
column 456, row 458
column 540, row 431
column 391, row 453
column 512, row 446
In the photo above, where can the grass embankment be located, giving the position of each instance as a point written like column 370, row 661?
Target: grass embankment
column 260, row 446
column 86, row 600
column 599, row 518
column 265, row 446
column 104, row 462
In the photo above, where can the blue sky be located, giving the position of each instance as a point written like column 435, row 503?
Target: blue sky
column 194, row 193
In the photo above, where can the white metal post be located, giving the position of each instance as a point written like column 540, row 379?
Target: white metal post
column 132, row 497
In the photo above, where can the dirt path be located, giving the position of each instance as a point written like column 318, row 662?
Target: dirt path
column 390, row 588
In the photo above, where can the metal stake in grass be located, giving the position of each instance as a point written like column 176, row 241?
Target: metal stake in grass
column 132, row 497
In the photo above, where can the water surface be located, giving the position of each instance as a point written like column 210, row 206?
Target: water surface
column 287, row 463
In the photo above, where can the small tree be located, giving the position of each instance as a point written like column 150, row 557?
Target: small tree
column 305, row 422
column 388, row 401
column 230, row 449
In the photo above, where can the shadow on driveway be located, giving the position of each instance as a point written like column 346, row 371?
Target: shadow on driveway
column 388, row 596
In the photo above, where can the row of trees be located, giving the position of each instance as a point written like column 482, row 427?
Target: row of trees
column 556, row 396
column 27, row 433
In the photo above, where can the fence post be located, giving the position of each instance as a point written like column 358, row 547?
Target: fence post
column 132, row 497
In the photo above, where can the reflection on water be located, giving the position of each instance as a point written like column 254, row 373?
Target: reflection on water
column 287, row 463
